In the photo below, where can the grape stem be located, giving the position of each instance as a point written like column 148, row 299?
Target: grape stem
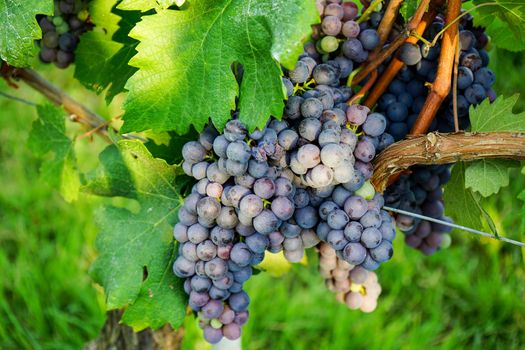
column 385, row 27
column 441, row 86
column 359, row 95
column 374, row 5
column 441, row 148
column 396, row 64
column 396, row 44
column 78, row 112
column 455, row 87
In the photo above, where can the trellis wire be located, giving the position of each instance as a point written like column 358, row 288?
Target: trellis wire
column 19, row 99
column 460, row 227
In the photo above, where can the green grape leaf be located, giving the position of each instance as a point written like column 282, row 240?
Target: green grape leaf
column 159, row 298
column 408, row 8
column 185, row 58
column 48, row 140
column 145, row 5
column 168, row 145
column 19, row 29
column 504, row 21
column 497, row 116
column 487, row 176
column 103, row 54
column 462, row 204
column 136, row 248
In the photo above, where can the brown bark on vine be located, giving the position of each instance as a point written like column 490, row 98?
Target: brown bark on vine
column 118, row 336
column 78, row 112
column 441, row 86
column 437, row 148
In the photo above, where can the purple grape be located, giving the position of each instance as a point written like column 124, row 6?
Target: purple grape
column 370, row 39
column 354, row 253
column 232, row 331
column 212, row 335
column 266, row 222
column 353, row 231
column 257, row 243
column 183, row 267
column 264, row 187
column 200, row 284
column 239, row 301
column 251, row 205
column 282, row 207
column 351, row 29
column 371, row 237
column 216, row 268
column 331, row 25
column 241, row 254
column 355, row 207
column 410, row 54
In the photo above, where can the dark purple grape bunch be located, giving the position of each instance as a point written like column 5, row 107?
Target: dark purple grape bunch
column 407, row 93
column 421, row 192
column 61, row 32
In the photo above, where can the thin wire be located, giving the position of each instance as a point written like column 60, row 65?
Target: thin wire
column 17, row 99
column 464, row 228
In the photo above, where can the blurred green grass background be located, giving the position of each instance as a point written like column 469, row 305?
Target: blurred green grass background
column 469, row 296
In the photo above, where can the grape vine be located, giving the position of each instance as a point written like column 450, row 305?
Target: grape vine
column 289, row 132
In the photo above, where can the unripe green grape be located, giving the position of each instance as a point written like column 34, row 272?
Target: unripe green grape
column 63, row 28
column 366, row 191
column 446, row 240
column 329, row 44
column 57, row 21
column 83, row 15
column 215, row 323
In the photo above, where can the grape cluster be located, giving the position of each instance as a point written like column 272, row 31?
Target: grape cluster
column 407, row 93
column 269, row 190
column 354, row 286
column 243, row 204
column 214, row 266
column 421, row 192
column 61, row 32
